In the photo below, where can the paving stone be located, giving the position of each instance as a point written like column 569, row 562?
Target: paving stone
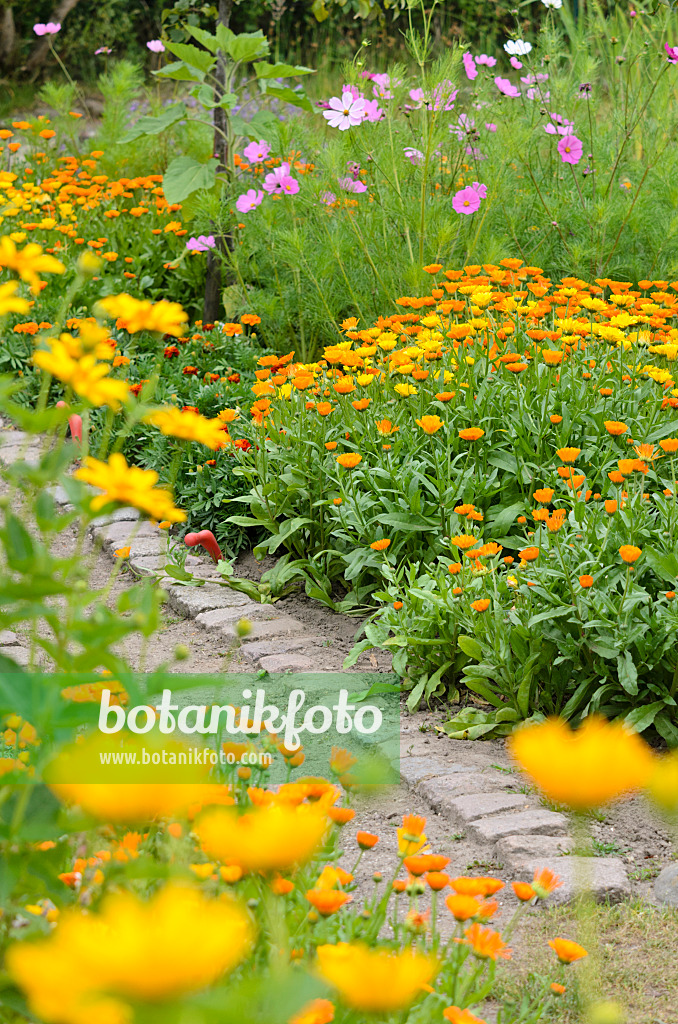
column 440, row 791
column 146, row 565
column 605, row 877
column 120, row 534
column 59, row 494
column 415, row 769
column 286, row 663
column 666, row 886
column 536, row 822
column 513, row 850
column 482, row 805
column 262, row 630
column 191, row 601
column 7, row 637
column 262, row 648
column 219, row 617
column 121, row 515
column 20, row 655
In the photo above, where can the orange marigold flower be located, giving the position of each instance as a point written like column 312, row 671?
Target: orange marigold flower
column 523, row 891
column 486, row 943
column 380, row 545
column 437, row 880
column 555, row 418
column 669, row 445
column 349, row 460
column 366, row 840
column 544, row 495
column 397, row 605
column 462, row 907
column 566, row 951
column 457, row 1016
column 586, row 581
column 615, row 428
column 467, row 886
column 629, row 553
column 545, row 882
column 529, row 554
column 445, row 396
column 385, row 427
column 251, row 319
column 481, row 605
column 339, row 815
column 557, row 988
column 616, row 477
column 471, row 434
column 552, row 357
column 429, row 424
column 419, row 864
column 463, row 541
column 568, row 454
column 433, row 268
column 454, row 568
column 626, row 466
column 611, row 506
column 327, row 901
column 323, row 408
column 318, row 1011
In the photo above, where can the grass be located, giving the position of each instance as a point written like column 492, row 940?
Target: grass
column 638, row 965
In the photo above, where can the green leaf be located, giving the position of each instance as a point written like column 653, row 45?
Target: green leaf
column 552, row 613
column 407, row 523
column 664, row 563
column 264, row 70
column 319, row 9
column 642, row 718
column 179, row 72
column 628, row 673
column 155, row 125
column 192, row 56
column 481, row 687
column 506, row 517
column 469, row 645
column 245, row 46
column 208, row 41
column 296, row 99
column 186, row 175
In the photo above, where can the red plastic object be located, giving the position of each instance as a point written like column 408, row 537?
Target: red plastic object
column 74, row 423
column 206, row 540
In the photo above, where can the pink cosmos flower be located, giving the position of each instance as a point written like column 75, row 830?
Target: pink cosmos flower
column 278, row 180
column 515, row 63
column 103, row 49
column 345, row 112
column 372, row 111
column 415, row 156
column 155, row 46
column 351, row 185
column 487, row 61
column 249, row 200
column 671, row 53
column 328, row 198
column 201, row 244
column 507, row 87
column 490, row 126
column 570, row 149
column 49, row 29
column 289, row 185
column 480, row 189
column 466, row 201
column 256, row 152
column 470, row 66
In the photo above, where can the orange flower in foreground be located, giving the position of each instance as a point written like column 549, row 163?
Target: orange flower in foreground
column 669, row 445
column 457, row 1016
column 611, row 506
column 555, row 419
column 377, row 981
column 529, row 554
column 545, row 882
column 462, row 907
column 481, row 605
column 380, row 545
column 629, row 553
column 429, row 424
column 467, row 886
column 463, row 541
column 366, row 840
column 471, row 434
column 318, row 1011
column 411, row 836
column 386, row 427
column 437, row 880
column 486, row 943
column 349, row 460
column 327, row 901
column 543, row 495
column 523, row 891
column 419, row 864
column 566, row 951
column 615, row 428
column 586, row 581
column 568, row 454
column 433, row 268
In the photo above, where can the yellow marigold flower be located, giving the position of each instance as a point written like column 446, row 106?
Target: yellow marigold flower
column 615, row 428
column 176, row 943
column 142, row 315
column 88, row 378
column 128, row 485
column 9, row 301
column 378, row 981
column 663, row 784
column 405, row 390
column 567, row 951
column 568, row 454
column 28, row 262
column 272, row 838
column 349, row 460
column 189, row 425
column 380, row 545
column 585, row 768
column 429, row 424
column 629, row 553
column 552, row 357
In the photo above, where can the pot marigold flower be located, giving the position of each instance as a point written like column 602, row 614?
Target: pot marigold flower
column 454, row 568
column 411, row 836
column 611, row 506
column 566, row 951
column 529, row 554
column 188, row 425
column 585, row 768
column 28, row 262
column 378, row 981
column 551, row 357
column 615, row 428
column 555, row 419
column 380, row 545
column 557, row 988
column 462, row 908
column 669, row 445
column 366, row 840
column 349, row 460
column 445, row 396
column 486, row 943
column 586, row 581
column 568, row 454
column 174, row 944
column 481, row 605
column 629, row 553
column 467, row 886
column 268, row 839
column 545, row 882
column 385, row 427
column 429, row 424
column 433, row 268
column 327, row 901
column 523, row 891
column 84, row 374
column 464, row 541
column 420, row 863
column 122, row 552
column 344, row 386
column 128, row 485
column 141, row 315
column 318, row 1011
column 250, row 319
column 544, row 495
column 405, row 390
column 437, row 880
column 471, row 434
column 457, row 1016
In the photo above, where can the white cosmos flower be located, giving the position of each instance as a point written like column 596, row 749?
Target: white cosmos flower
column 345, row 112
column 517, row 47
column 555, row 4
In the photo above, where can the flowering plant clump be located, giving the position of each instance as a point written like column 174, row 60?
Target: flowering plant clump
column 515, row 441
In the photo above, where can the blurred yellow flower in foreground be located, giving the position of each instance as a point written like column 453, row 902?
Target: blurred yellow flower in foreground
column 10, row 302
column 663, row 784
column 190, row 426
column 275, row 837
column 142, row 315
column 128, row 485
column 375, row 980
column 28, row 262
column 176, row 943
column 585, row 768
